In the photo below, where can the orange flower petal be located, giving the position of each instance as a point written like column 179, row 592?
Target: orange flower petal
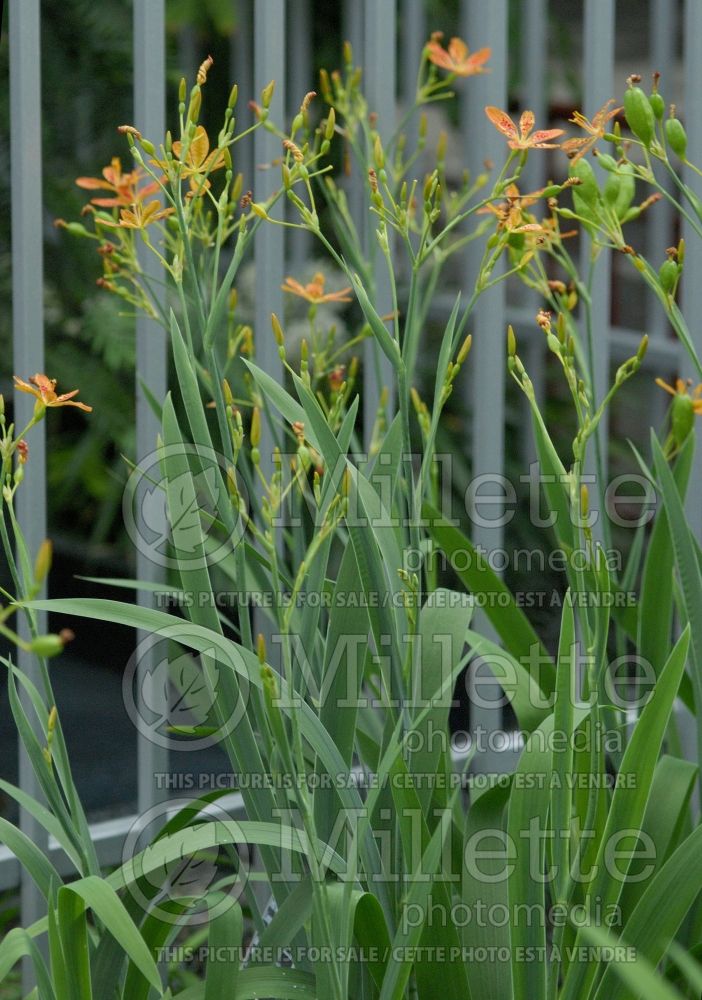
column 458, row 50
column 526, row 124
column 478, row 58
column 502, row 122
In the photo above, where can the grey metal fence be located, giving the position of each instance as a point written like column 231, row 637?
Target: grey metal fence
column 280, row 31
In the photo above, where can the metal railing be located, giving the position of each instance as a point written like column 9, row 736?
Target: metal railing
column 279, row 29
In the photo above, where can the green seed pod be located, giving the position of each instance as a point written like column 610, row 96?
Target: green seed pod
column 639, row 115
column 587, row 190
column 657, row 105
column 682, row 416
column 586, row 195
column 668, row 276
column 47, row 645
column 607, row 162
column 627, row 190
column 676, row 136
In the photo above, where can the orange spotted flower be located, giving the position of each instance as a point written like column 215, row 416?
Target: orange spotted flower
column 684, row 388
column 199, row 161
column 313, row 292
column 139, row 216
column 44, row 390
column 510, row 213
column 124, row 187
column 577, row 147
column 522, row 138
column 455, row 57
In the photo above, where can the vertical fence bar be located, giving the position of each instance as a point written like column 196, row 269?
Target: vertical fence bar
column 379, row 67
column 300, row 81
column 534, row 35
column 486, row 25
column 188, row 53
column 354, row 184
column 598, row 74
column 692, row 281
column 241, row 73
column 151, row 366
column 269, row 253
column 414, row 37
column 28, row 349
column 659, row 222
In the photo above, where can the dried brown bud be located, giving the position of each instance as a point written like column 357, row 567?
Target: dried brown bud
column 294, row 149
column 204, row 69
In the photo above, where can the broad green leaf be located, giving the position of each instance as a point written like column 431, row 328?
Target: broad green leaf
column 664, row 820
column 33, row 861
column 99, row 895
column 408, row 935
column 282, row 400
column 440, row 936
column 562, row 754
column 630, row 799
column 666, row 899
column 485, row 884
column 688, row 568
column 443, row 622
column 246, row 665
column 530, row 704
column 73, row 932
column 640, row 976
column 380, row 332
column 528, row 807
column 493, row 596
column 16, row 945
column 225, row 942
column 656, row 605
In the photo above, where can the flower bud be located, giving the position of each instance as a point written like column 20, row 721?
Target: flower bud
column 277, row 330
column 511, row 341
column 195, row 103
column 465, row 349
column 255, row 431
column 267, row 94
column 584, row 500
column 42, row 564
column 554, row 343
